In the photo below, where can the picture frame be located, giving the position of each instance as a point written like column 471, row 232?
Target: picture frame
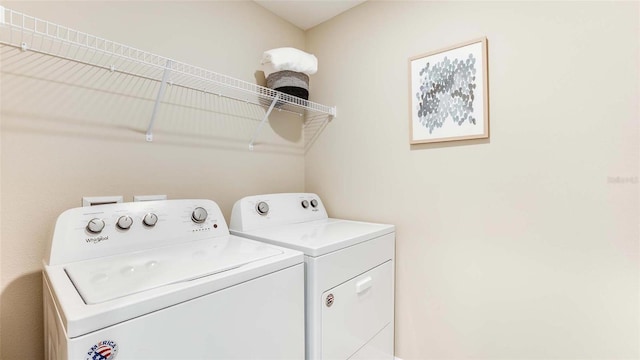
column 449, row 94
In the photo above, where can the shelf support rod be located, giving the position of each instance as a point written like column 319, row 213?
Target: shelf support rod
column 264, row 119
column 163, row 86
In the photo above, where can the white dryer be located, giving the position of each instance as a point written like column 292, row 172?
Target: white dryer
column 165, row 280
column 349, row 272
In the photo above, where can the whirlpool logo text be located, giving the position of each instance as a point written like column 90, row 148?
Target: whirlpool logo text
column 97, row 239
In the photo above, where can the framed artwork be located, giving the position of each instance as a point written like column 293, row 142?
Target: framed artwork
column 449, row 97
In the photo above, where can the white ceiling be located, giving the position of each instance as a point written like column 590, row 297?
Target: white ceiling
column 306, row 14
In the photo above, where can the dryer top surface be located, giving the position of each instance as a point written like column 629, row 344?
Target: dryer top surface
column 320, row 237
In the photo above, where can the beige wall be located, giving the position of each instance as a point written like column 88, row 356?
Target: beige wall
column 523, row 246
column 71, row 131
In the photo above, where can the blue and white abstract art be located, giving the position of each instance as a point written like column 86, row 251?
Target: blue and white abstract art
column 449, row 94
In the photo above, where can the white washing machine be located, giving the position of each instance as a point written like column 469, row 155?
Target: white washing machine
column 165, row 280
column 349, row 272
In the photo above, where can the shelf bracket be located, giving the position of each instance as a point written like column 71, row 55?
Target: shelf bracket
column 163, row 86
column 264, row 119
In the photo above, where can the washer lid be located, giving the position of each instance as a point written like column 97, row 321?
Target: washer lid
column 320, row 237
column 108, row 278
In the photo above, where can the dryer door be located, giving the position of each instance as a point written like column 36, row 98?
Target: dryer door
column 354, row 312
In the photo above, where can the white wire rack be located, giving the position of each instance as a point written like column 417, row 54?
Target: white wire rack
column 29, row 33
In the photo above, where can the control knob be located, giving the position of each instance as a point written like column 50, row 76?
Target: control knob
column 314, row 203
column 124, row 222
column 305, row 204
column 199, row 215
column 150, row 219
column 262, row 208
column 95, row 225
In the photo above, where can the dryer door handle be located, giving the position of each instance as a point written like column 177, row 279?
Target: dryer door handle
column 364, row 284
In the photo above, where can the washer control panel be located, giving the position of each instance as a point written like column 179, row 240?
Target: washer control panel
column 259, row 211
column 97, row 231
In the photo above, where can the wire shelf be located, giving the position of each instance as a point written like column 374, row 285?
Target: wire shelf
column 29, row 33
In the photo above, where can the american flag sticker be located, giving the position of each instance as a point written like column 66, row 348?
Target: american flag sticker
column 104, row 350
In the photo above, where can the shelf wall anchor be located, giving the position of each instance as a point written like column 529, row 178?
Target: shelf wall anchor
column 163, row 86
column 264, row 119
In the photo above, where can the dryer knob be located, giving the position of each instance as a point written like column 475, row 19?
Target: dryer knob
column 314, row 203
column 150, row 219
column 199, row 215
column 124, row 222
column 95, row 225
column 262, row 208
column 305, row 204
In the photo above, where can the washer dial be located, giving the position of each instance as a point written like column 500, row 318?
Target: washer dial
column 305, row 204
column 124, row 222
column 95, row 225
column 150, row 219
column 199, row 215
column 314, row 203
column 262, row 208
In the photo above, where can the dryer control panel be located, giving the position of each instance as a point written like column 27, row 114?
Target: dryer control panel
column 262, row 211
column 103, row 230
